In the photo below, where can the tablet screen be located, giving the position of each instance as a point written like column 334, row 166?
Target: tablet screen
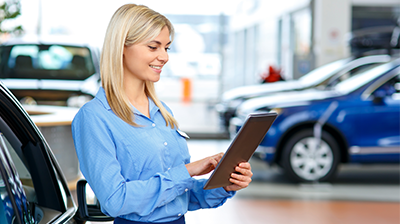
column 241, row 149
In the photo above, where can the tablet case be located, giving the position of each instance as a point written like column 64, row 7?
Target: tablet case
column 241, row 149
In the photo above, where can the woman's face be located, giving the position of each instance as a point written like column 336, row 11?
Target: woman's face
column 144, row 61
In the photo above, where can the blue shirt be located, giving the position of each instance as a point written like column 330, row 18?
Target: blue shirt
column 138, row 173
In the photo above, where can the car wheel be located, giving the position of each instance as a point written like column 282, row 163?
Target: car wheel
column 304, row 160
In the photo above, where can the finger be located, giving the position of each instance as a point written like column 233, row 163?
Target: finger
column 245, row 172
column 218, row 157
column 245, row 165
column 241, row 178
column 215, row 162
column 240, row 184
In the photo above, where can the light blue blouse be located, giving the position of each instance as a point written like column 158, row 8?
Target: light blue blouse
column 138, row 173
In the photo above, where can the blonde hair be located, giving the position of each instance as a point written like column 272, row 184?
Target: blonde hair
column 130, row 24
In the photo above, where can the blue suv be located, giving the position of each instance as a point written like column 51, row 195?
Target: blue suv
column 357, row 120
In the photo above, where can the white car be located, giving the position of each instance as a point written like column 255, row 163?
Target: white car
column 50, row 71
column 324, row 75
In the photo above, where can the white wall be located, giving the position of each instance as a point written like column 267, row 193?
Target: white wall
column 250, row 13
column 332, row 24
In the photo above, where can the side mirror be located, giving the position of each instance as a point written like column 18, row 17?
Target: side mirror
column 92, row 211
column 378, row 96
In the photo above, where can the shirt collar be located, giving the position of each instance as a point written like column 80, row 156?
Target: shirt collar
column 101, row 95
column 152, row 108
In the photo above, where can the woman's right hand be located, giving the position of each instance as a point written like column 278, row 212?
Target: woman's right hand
column 204, row 166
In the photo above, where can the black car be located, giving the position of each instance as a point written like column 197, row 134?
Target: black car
column 33, row 189
column 50, row 70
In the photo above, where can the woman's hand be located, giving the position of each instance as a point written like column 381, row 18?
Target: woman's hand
column 204, row 166
column 241, row 179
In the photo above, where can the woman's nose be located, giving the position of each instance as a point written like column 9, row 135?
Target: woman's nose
column 163, row 56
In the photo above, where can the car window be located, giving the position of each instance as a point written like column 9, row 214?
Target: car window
column 23, row 173
column 361, row 78
column 390, row 89
column 318, row 75
column 48, row 62
column 348, row 74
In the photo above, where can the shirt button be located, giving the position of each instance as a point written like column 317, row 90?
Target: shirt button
column 186, row 190
column 153, row 125
column 165, row 143
column 179, row 214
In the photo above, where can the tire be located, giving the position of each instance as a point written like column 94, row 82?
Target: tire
column 302, row 163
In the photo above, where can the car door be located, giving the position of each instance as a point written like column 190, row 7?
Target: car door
column 376, row 122
column 33, row 167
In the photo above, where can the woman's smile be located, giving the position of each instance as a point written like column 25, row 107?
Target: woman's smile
column 156, row 68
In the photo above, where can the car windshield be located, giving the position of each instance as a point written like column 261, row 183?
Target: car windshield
column 362, row 77
column 322, row 73
column 46, row 62
column 348, row 74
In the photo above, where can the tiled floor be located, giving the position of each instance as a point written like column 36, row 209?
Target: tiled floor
column 243, row 211
column 240, row 211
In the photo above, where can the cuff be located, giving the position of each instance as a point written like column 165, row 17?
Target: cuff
column 222, row 192
column 181, row 178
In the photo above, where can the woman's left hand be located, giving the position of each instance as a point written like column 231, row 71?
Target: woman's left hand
column 241, row 179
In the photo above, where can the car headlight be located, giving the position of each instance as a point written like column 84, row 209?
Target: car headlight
column 220, row 108
column 78, row 101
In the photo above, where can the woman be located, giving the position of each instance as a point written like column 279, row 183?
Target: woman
column 128, row 144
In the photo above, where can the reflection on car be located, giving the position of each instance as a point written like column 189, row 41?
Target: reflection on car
column 33, row 189
column 324, row 75
column 355, row 121
column 50, row 71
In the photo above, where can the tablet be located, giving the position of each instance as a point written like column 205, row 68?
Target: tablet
column 241, row 148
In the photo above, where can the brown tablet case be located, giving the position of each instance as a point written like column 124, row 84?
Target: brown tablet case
column 241, row 149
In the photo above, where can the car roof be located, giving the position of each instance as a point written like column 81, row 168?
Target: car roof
column 48, row 40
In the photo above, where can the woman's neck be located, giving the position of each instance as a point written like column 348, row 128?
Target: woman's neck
column 136, row 94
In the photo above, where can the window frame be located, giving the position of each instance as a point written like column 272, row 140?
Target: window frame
column 46, row 174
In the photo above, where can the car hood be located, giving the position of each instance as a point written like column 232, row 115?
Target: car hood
column 293, row 98
column 311, row 79
column 89, row 85
column 260, row 89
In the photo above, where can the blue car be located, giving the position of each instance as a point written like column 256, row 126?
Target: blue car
column 322, row 76
column 355, row 121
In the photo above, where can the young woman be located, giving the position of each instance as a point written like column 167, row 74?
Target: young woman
column 129, row 146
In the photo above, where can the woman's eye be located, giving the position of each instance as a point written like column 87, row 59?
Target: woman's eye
column 152, row 48
column 167, row 49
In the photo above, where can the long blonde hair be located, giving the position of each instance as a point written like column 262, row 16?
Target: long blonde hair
column 130, row 24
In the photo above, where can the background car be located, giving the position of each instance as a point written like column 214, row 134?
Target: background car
column 50, row 71
column 33, row 189
column 324, row 75
column 355, row 121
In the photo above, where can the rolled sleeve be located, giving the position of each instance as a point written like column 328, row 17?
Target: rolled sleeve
column 200, row 198
column 183, row 181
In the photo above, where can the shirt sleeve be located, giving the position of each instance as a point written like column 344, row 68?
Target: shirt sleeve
column 200, row 198
column 96, row 152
